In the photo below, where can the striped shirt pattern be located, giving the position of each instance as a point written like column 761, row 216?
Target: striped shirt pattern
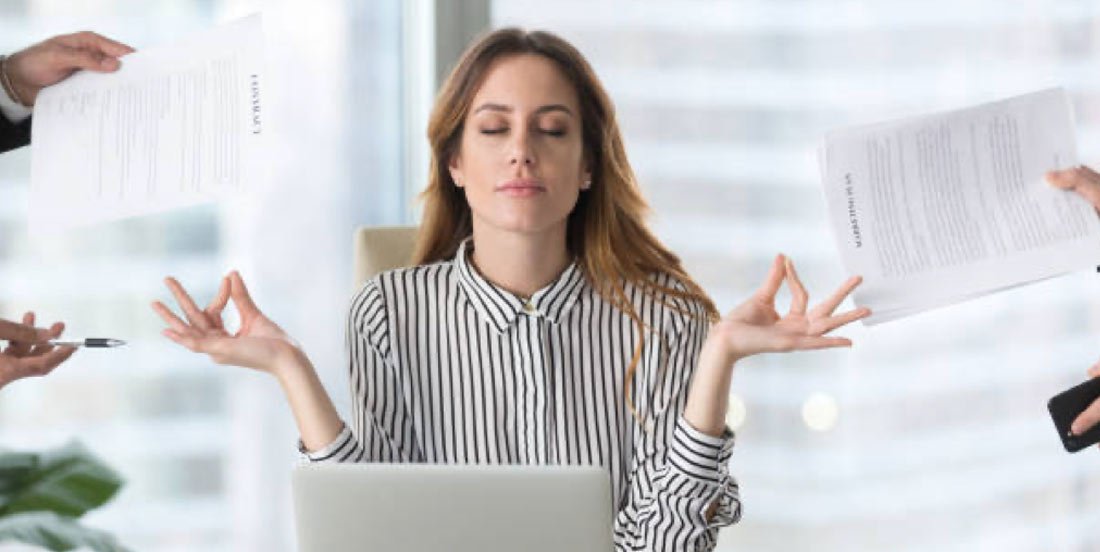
column 446, row 367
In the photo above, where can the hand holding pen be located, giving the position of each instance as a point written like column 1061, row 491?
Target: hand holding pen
column 28, row 352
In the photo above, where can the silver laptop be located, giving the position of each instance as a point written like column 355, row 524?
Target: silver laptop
column 460, row 508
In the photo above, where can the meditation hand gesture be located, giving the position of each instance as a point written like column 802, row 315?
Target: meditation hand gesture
column 259, row 344
column 756, row 327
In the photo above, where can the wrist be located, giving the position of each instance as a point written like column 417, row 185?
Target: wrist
column 290, row 365
column 717, row 352
column 11, row 85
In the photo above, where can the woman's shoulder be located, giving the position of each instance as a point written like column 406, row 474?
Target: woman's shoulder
column 378, row 297
column 402, row 281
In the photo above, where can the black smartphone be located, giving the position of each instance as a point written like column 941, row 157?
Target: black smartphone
column 1064, row 408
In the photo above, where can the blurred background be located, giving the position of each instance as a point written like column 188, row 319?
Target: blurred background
column 930, row 434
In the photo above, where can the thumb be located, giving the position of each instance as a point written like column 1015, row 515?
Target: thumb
column 1087, row 419
column 1083, row 180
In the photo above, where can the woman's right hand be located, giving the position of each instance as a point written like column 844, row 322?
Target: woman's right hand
column 260, row 343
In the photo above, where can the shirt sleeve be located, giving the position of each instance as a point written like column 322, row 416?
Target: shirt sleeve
column 678, row 473
column 381, row 430
column 15, row 123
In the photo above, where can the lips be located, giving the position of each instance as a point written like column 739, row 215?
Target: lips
column 521, row 187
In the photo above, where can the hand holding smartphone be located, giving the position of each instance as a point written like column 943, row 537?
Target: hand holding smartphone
column 1067, row 405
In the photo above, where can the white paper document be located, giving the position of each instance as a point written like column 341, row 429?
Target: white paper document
column 176, row 125
column 938, row 209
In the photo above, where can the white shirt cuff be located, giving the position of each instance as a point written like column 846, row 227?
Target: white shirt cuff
column 337, row 450
column 12, row 110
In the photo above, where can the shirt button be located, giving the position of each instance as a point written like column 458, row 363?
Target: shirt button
column 529, row 308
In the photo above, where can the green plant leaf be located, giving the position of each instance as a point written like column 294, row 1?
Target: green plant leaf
column 53, row 532
column 14, row 467
column 68, row 480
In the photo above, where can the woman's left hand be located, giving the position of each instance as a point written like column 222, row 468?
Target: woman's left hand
column 756, row 327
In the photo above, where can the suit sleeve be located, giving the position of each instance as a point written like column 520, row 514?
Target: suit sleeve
column 14, row 135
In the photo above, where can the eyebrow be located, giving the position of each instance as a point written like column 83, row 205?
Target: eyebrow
column 509, row 109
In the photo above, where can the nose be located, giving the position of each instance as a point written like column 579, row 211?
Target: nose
column 521, row 153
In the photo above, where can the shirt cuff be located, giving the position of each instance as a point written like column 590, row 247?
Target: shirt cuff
column 342, row 445
column 704, row 459
column 698, row 455
column 13, row 110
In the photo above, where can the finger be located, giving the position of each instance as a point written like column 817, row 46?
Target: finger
column 1082, row 180
column 169, row 317
column 809, row 343
column 199, row 344
column 217, row 305
column 186, row 339
column 71, row 59
column 241, row 297
column 20, row 348
column 12, row 331
column 1061, row 179
column 831, row 323
column 43, row 345
column 1094, row 370
column 1089, row 173
column 799, row 297
column 771, row 284
column 1086, row 419
column 826, row 307
column 40, row 365
column 96, row 42
column 195, row 316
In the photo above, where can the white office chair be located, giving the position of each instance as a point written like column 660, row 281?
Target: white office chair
column 382, row 248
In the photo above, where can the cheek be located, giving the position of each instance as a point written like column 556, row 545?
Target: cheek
column 562, row 162
column 479, row 157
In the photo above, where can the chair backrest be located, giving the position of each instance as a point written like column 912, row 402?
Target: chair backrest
column 382, row 248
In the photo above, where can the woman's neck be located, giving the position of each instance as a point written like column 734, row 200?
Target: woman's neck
column 520, row 263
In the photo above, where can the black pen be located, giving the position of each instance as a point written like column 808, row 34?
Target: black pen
column 90, row 342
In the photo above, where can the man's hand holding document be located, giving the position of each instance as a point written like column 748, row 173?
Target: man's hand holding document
column 938, row 209
column 176, row 125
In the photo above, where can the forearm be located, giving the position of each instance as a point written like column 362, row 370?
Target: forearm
column 708, row 396
column 316, row 416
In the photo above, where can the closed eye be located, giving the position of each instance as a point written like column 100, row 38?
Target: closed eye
column 501, row 130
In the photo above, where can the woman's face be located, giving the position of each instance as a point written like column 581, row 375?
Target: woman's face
column 521, row 157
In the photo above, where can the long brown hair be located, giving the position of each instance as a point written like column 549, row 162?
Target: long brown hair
column 606, row 230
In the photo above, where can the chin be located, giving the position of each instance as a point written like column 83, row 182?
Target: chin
column 528, row 223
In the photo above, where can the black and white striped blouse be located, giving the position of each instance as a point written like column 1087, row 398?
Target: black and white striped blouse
column 449, row 368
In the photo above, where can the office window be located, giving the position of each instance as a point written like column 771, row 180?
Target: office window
column 206, row 449
column 932, row 432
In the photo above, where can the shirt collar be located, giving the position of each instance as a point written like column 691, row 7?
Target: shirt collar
column 501, row 307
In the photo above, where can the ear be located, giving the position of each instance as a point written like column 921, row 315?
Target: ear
column 586, row 178
column 454, row 166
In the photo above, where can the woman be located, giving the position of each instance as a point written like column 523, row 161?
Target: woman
column 542, row 323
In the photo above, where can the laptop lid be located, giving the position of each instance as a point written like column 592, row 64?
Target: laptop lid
column 460, row 508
